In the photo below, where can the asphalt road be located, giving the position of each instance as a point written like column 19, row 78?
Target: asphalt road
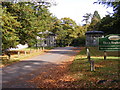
column 15, row 75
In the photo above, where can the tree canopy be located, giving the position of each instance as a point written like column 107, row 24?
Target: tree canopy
column 22, row 21
column 110, row 24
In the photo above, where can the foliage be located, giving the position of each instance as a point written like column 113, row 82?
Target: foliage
column 69, row 33
column 80, row 41
column 94, row 21
column 113, row 25
column 9, row 24
column 65, row 35
column 28, row 19
column 106, row 25
column 23, row 21
column 106, row 74
column 87, row 17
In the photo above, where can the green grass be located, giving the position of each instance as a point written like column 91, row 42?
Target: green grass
column 94, row 51
column 15, row 58
column 107, row 70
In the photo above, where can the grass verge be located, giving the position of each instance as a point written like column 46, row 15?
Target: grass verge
column 23, row 54
column 106, row 74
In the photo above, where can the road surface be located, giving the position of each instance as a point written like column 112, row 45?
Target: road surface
column 15, row 75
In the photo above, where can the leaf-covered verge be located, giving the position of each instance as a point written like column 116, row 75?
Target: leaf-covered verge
column 77, row 74
column 106, row 74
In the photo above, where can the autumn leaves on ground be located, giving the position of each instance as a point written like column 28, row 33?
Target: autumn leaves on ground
column 76, row 73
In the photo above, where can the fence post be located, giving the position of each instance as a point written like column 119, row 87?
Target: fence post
column 105, row 55
column 25, row 52
column 38, row 50
column 9, row 55
column 30, row 51
column 18, row 53
column 92, row 66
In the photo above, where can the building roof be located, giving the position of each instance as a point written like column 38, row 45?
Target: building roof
column 45, row 32
column 94, row 32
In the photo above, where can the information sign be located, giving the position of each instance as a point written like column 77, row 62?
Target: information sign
column 110, row 43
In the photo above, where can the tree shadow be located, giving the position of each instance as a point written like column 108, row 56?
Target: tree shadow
column 18, row 71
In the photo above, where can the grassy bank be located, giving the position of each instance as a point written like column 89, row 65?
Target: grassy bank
column 18, row 55
column 106, row 74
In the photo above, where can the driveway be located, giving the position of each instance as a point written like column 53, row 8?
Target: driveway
column 15, row 75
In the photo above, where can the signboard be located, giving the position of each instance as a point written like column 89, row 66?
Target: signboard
column 110, row 43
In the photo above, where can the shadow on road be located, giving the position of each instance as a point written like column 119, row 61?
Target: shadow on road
column 16, row 75
column 22, row 71
column 68, row 50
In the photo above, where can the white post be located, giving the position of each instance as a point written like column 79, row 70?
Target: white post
column 88, row 54
column 18, row 53
column 25, row 52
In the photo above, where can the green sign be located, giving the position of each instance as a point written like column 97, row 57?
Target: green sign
column 110, row 43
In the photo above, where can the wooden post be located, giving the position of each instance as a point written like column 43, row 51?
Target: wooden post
column 92, row 67
column 30, row 51
column 18, row 53
column 105, row 55
column 25, row 52
column 9, row 55
column 43, row 48
column 38, row 50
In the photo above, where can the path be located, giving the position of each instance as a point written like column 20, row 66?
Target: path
column 15, row 75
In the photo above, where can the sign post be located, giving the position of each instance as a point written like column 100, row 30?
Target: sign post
column 109, row 43
column 88, row 54
column 105, row 55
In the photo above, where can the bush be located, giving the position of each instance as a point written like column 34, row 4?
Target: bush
column 79, row 41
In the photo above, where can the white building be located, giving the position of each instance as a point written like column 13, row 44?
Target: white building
column 49, row 41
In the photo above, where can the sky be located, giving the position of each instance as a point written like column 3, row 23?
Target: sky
column 76, row 9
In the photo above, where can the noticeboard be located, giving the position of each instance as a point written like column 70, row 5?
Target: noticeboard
column 110, row 43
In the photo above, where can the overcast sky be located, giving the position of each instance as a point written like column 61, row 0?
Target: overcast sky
column 76, row 9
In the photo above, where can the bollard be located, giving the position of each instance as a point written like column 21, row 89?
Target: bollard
column 25, row 52
column 88, row 54
column 18, row 53
column 88, row 57
column 92, row 67
column 9, row 55
column 38, row 50
column 105, row 55
column 30, row 51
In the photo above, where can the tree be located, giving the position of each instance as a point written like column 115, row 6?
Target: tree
column 96, row 17
column 1, row 11
column 9, row 37
column 66, row 35
column 79, row 38
column 26, row 17
column 33, row 18
column 116, row 15
column 94, row 21
column 57, row 26
column 45, row 20
column 87, row 17
column 69, row 33
column 106, row 25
